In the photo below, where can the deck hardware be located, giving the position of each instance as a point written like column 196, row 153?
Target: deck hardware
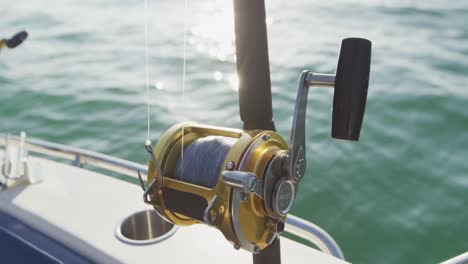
column 6, row 166
column 77, row 161
column 144, row 228
column 16, row 166
column 22, row 161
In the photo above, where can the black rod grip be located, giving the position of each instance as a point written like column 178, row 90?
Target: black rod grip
column 17, row 39
column 351, row 83
column 253, row 66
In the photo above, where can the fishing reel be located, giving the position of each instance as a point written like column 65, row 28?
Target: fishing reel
column 244, row 182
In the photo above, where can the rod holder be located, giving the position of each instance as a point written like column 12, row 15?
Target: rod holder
column 351, row 83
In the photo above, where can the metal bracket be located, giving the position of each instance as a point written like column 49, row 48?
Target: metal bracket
column 297, row 164
column 242, row 183
column 158, row 179
column 77, row 161
column 209, row 215
column 235, row 207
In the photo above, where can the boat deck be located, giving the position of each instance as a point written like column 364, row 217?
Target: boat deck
column 81, row 210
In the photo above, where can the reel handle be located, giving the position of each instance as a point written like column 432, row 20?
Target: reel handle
column 17, row 39
column 349, row 101
column 351, row 83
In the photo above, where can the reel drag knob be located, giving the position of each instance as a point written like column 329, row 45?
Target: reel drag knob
column 283, row 196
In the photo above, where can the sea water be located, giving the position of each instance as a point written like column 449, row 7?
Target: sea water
column 399, row 195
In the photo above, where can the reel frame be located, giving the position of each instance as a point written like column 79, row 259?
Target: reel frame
column 236, row 205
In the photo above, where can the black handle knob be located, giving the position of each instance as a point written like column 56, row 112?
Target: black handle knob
column 17, row 39
column 351, row 83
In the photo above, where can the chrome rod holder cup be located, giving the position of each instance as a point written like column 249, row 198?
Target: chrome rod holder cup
column 16, row 168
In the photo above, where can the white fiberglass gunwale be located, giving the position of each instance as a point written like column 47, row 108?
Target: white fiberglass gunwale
column 80, row 157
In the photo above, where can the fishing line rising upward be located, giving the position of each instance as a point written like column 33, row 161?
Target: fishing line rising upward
column 148, row 141
column 147, row 74
column 183, row 77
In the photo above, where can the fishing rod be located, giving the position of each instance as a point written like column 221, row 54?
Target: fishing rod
column 244, row 181
column 14, row 41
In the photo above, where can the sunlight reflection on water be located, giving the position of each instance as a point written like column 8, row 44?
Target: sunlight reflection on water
column 80, row 80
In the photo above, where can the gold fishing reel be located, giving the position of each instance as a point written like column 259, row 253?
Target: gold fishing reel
column 221, row 180
column 243, row 182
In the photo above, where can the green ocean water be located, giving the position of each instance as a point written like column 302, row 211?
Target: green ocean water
column 397, row 196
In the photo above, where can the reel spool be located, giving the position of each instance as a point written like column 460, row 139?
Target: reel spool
column 216, row 181
column 244, row 182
